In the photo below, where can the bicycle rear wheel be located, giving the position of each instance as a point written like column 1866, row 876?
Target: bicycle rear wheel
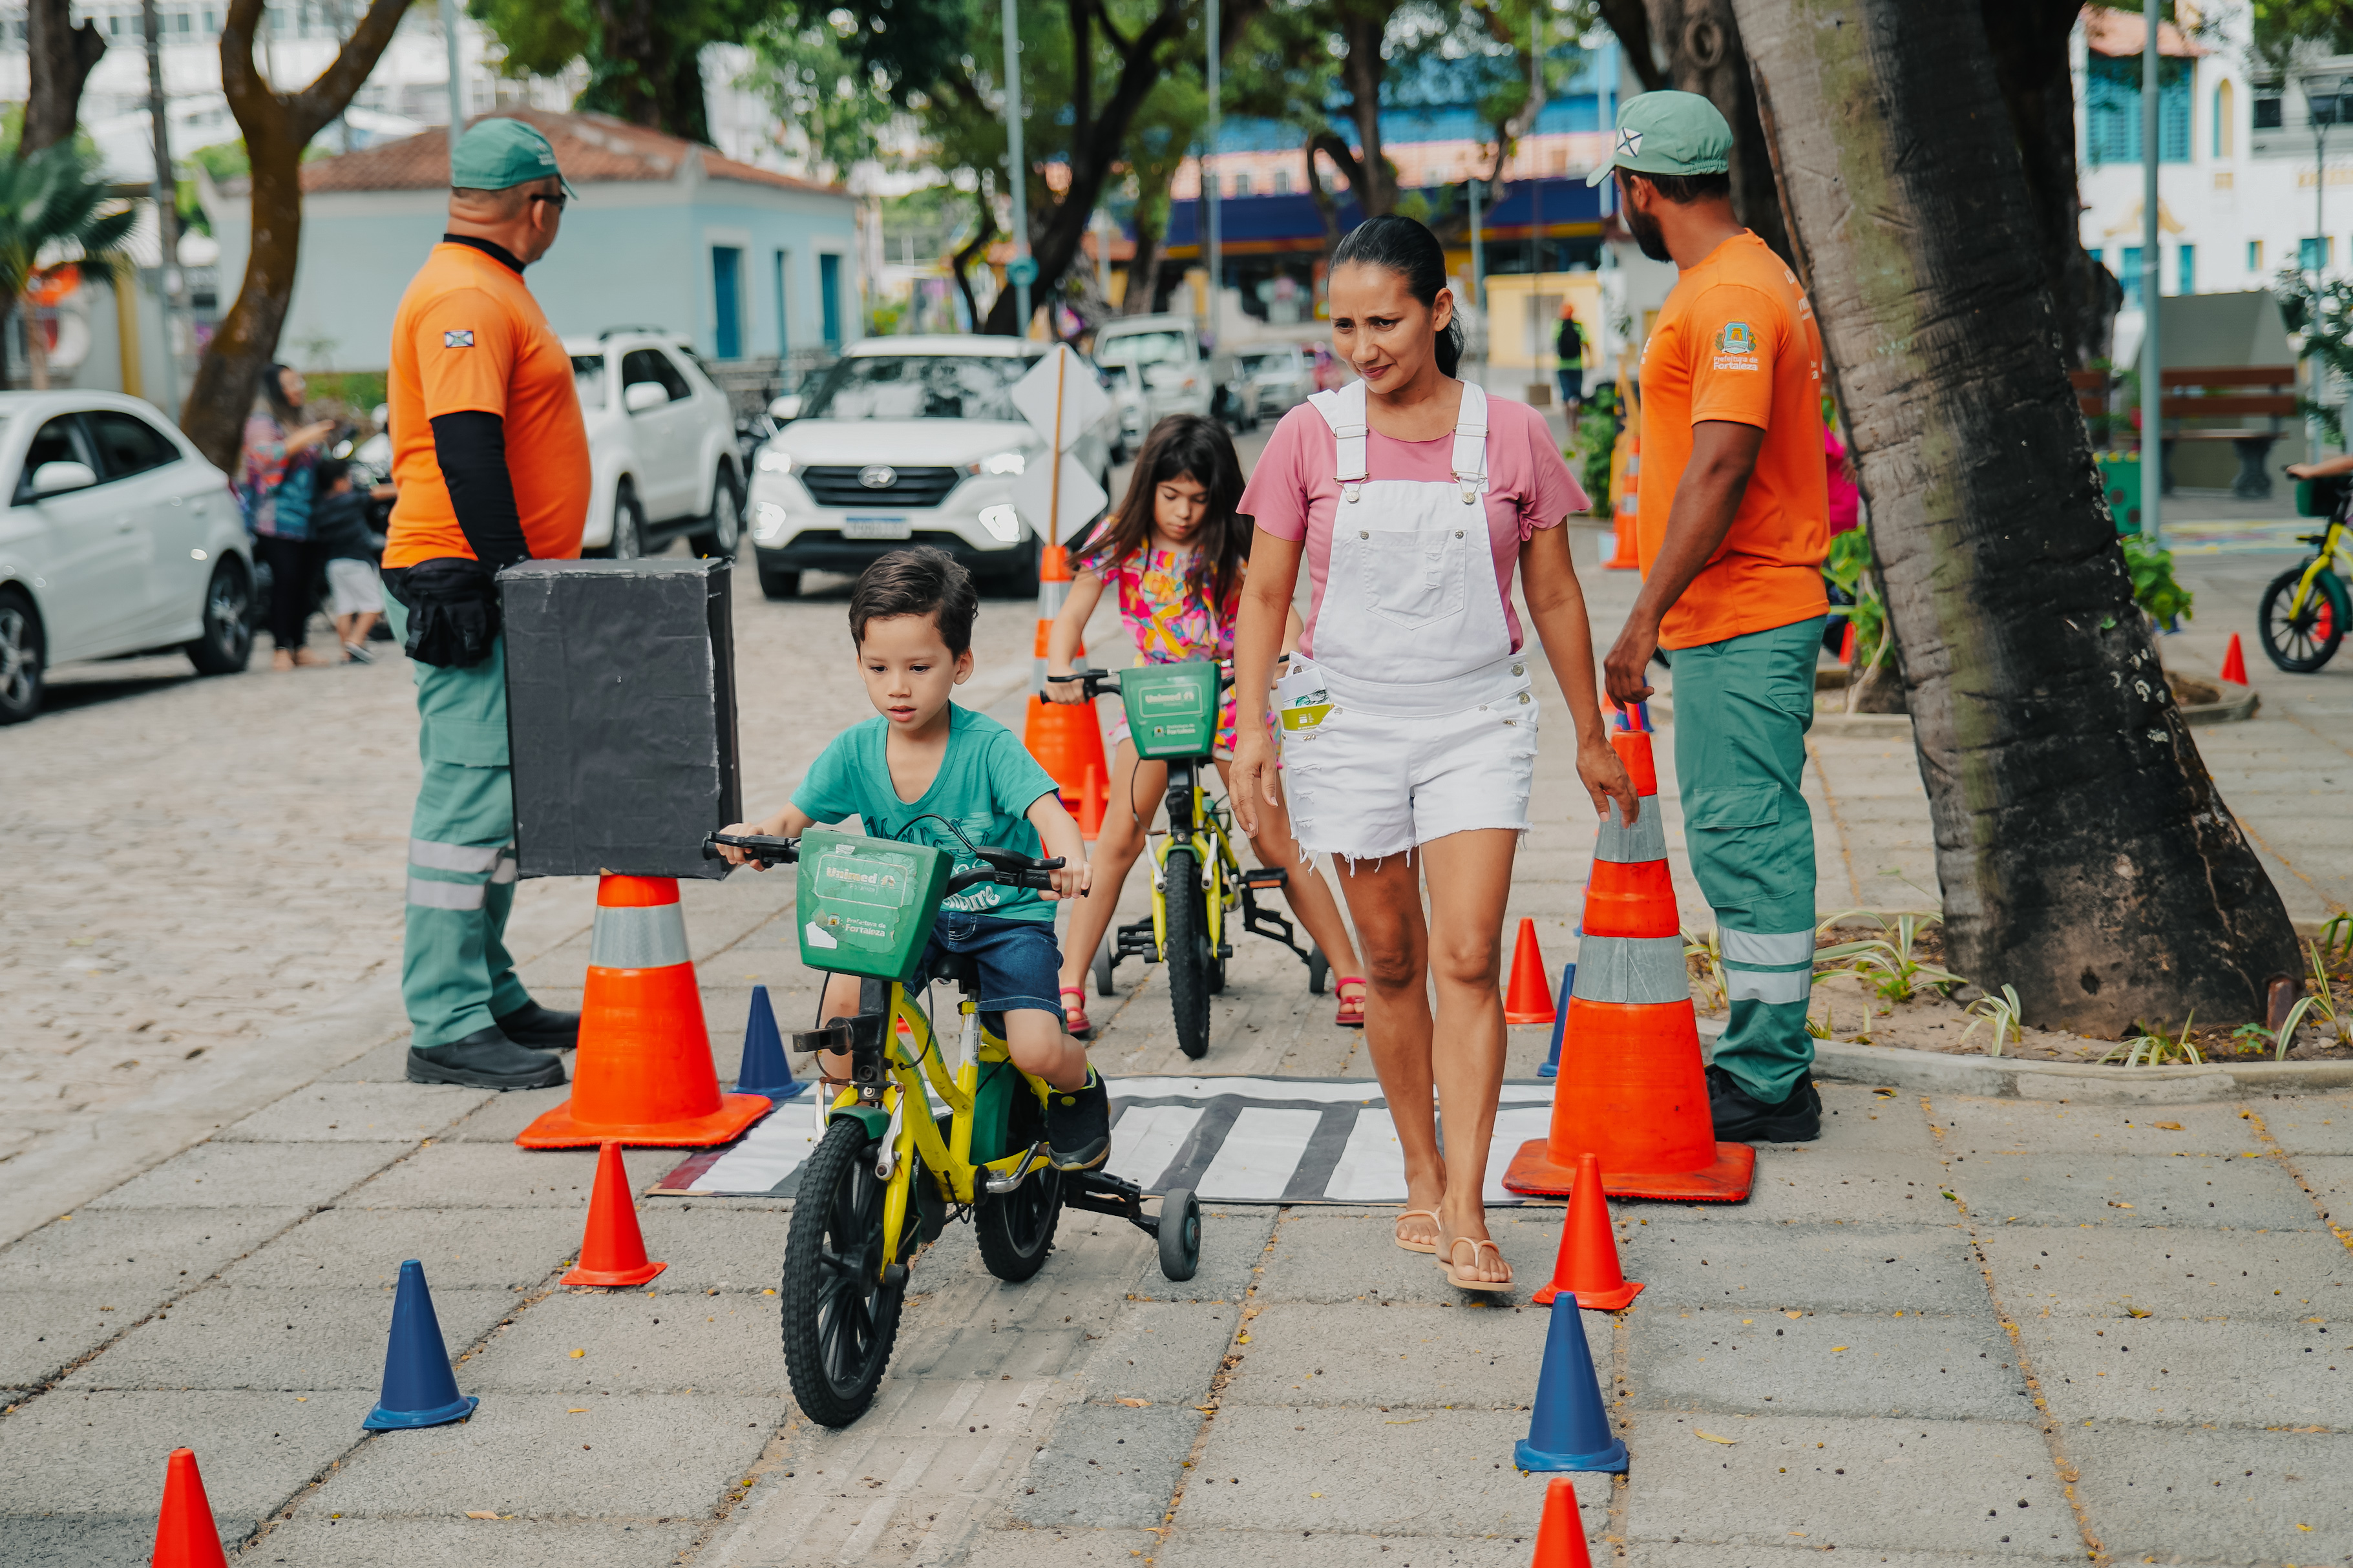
column 1015, row 1230
column 840, row 1320
column 2302, row 641
column 1189, row 956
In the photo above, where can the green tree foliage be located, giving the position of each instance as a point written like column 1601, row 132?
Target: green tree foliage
column 643, row 56
column 55, row 201
column 811, row 72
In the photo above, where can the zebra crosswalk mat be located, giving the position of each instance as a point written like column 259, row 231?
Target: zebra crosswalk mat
column 1231, row 1139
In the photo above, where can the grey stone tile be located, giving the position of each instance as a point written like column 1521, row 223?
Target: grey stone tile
column 2309, row 1124
column 357, row 1113
column 1448, row 1473
column 2166, row 1491
column 1402, row 1357
column 296, row 1341
column 316, row 1540
column 1108, row 1466
column 1819, row 1267
column 2074, row 1272
column 2330, row 1177
column 358, row 1246
column 499, row 1175
column 137, row 1257
column 2132, row 1191
column 85, row 1540
column 1825, row 1482
column 635, row 1343
column 711, row 1245
column 1858, row 1119
column 630, row 1456
column 1033, row 1548
column 238, row 1175
column 1811, row 1184
column 498, row 1119
column 1690, row 1555
column 1348, row 1254
column 384, row 1063
column 1723, row 1357
column 43, row 1332
column 1164, row 1352
column 1327, row 1549
column 2164, row 1371
column 1991, row 1127
column 1233, row 1248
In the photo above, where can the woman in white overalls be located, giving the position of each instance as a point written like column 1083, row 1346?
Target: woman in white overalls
column 1408, row 718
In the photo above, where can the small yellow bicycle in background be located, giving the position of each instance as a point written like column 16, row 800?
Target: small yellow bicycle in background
column 2307, row 609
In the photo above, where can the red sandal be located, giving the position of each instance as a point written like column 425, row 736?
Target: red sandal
column 1075, row 1019
column 1352, row 1008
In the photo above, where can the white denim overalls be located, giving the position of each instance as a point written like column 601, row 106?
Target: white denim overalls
column 1414, row 719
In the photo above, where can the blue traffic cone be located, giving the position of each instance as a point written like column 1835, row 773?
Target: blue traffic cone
column 1570, row 1429
column 1551, row 1068
column 764, row 1069
column 419, row 1388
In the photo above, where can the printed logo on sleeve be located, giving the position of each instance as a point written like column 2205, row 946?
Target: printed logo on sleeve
column 459, row 340
column 1735, row 347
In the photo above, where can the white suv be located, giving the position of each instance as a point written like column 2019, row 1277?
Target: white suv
column 661, row 447
column 906, row 439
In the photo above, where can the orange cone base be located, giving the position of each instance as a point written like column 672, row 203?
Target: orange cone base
column 560, row 1128
column 1546, row 1017
column 1534, row 1172
column 636, row 1276
column 1592, row 1301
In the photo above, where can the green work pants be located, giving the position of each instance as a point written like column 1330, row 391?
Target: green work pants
column 1742, row 710
column 455, row 971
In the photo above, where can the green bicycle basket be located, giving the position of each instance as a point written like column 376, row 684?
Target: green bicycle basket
column 1172, row 709
column 867, row 904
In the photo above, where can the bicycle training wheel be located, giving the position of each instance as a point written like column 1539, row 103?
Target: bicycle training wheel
column 2302, row 642
column 840, row 1320
column 1103, row 964
column 1189, row 956
column 1319, row 971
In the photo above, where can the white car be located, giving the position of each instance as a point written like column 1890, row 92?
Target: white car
column 1179, row 377
column 1127, row 396
column 661, row 447
column 1280, row 377
column 118, row 538
column 905, row 439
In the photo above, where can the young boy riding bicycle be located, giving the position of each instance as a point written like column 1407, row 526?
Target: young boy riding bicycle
column 925, row 770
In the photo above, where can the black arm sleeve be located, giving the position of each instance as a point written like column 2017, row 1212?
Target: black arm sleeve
column 471, row 448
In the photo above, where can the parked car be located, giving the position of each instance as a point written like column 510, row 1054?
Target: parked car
column 1126, row 391
column 1279, row 377
column 905, row 439
column 1164, row 351
column 118, row 538
column 661, row 447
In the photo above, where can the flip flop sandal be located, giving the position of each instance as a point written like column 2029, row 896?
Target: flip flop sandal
column 1075, row 1019
column 1352, row 1011
column 1427, row 1246
column 1500, row 1286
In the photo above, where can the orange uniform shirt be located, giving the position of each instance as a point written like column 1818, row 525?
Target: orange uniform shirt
column 1736, row 342
column 468, row 337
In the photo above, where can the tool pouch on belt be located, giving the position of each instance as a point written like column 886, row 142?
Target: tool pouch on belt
column 453, row 610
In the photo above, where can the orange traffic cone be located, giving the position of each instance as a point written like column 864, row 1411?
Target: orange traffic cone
column 1631, row 1088
column 1846, row 645
column 1529, row 1001
column 1090, row 804
column 1626, row 556
column 185, row 1536
column 613, row 1249
column 1063, row 736
column 1587, row 1265
column 642, row 1072
column 2234, row 662
column 1560, row 1533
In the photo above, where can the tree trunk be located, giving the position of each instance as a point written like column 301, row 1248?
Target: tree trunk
column 60, row 57
column 1144, row 267
column 2085, row 855
column 1704, row 57
column 277, row 126
column 36, row 351
column 1363, row 26
column 1631, row 20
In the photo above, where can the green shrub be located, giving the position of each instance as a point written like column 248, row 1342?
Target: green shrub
column 1595, row 439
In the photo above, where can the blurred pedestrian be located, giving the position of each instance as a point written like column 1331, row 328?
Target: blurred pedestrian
column 490, row 457
column 339, row 525
column 1568, row 346
column 274, row 486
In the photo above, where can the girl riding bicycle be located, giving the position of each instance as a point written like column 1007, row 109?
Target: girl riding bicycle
column 1177, row 552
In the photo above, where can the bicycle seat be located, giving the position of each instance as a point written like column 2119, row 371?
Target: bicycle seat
column 960, row 969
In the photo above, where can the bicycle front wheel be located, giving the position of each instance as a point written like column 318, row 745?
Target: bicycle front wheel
column 2301, row 640
column 1189, row 956
column 840, row 1319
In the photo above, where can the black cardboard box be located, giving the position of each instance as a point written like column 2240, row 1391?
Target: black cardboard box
column 621, row 715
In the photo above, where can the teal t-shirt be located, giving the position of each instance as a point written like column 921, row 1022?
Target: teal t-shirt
column 986, row 784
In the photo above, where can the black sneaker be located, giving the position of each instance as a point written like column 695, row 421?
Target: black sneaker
column 541, row 1028
column 1741, row 1118
column 484, row 1059
column 1078, row 1125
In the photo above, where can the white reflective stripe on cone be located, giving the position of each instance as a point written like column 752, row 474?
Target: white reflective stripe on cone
column 428, row 855
column 1768, row 947
column 651, row 937
column 460, row 896
column 1636, row 969
column 1765, row 986
column 1644, row 840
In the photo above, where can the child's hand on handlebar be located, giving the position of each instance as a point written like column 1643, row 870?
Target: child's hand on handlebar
column 1063, row 686
column 1071, row 880
column 733, row 856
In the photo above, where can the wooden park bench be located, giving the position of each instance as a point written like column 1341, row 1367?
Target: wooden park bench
column 2194, row 395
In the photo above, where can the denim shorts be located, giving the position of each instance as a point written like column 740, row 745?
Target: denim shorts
column 1020, row 966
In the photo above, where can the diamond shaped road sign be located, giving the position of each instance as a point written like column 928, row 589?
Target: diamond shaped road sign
column 1081, row 500
column 1083, row 398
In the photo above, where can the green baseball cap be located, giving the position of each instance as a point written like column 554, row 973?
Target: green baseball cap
column 494, row 154
column 1669, row 133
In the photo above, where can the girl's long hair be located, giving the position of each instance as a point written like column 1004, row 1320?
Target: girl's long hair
column 1183, row 446
column 269, row 392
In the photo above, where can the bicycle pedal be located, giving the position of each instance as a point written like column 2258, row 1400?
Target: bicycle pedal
column 1266, row 876
column 835, row 1036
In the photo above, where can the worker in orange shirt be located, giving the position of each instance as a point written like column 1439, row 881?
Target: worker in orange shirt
column 492, row 461
column 1733, row 527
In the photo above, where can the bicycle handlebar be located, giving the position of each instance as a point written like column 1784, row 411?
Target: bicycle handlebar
column 1006, row 867
column 1100, row 682
column 763, row 851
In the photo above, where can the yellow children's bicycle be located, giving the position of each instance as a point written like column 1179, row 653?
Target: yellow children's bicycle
column 2307, row 609
column 910, row 1143
column 1197, row 879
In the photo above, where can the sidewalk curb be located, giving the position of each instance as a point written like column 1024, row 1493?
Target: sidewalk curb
column 2002, row 1078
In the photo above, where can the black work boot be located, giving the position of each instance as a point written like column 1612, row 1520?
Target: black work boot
column 484, row 1059
column 1741, row 1118
column 539, row 1029
column 1078, row 1125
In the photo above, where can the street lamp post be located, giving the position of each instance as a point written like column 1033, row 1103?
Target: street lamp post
column 2325, row 109
column 2152, row 400
column 1210, row 194
column 167, row 205
column 1022, row 270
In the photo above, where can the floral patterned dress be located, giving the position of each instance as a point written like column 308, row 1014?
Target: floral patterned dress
column 1170, row 623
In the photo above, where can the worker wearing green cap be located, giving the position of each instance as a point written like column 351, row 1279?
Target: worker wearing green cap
column 490, row 457
column 1732, row 529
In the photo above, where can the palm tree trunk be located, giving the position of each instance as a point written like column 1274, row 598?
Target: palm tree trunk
column 2085, row 855
column 36, row 351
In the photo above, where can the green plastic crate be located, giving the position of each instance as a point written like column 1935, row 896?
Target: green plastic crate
column 1172, row 709
column 2120, row 479
column 867, row 904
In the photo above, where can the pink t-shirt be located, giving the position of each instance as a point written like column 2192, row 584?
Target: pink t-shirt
column 1293, row 495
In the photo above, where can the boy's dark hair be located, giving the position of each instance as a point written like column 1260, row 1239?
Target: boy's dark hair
column 328, row 473
column 1684, row 189
column 920, row 581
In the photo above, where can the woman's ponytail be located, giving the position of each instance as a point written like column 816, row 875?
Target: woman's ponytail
column 1449, row 349
column 1408, row 249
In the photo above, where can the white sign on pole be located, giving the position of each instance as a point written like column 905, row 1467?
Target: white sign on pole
column 1078, row 502
column 1061, row 393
